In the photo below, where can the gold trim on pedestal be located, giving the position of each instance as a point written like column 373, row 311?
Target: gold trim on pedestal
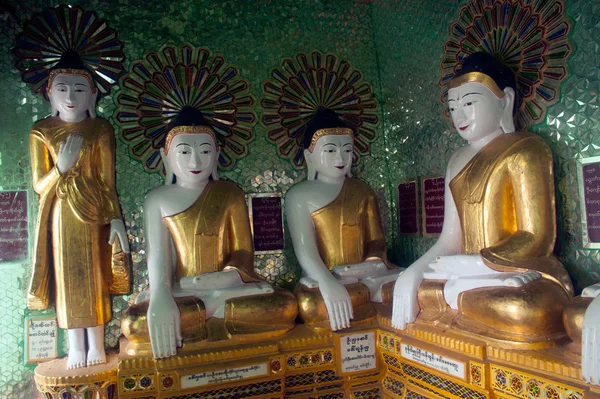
column 423, row 360
column 53, row 378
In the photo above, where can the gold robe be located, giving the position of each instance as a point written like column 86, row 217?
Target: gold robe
column 348, row 232
column 505, row 202
column 71, row 250
column 214, row 233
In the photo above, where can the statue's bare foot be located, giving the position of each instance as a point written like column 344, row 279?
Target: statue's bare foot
column 76, row 359
column 95, row 356
column 519, row 280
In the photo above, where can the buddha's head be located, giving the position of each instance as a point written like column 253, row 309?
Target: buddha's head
column 328, row 146
column 481, row 97
column 71, row 89
column 190, row 154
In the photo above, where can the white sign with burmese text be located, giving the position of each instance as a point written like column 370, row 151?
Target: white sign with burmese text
column 438, row 362
column 42, row 339
column 225, row 375
column 357, row 352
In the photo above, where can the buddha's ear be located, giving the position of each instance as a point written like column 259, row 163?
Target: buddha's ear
column 92, row 109
column 215, row 171
column 53, row 109
column 508, row 123
column 311, row 173
column 168, row 171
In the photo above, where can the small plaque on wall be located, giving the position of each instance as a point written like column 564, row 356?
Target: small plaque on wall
column 41, row 335
column 589, row 194
column 408, row 208
column 356, row 352
column 432, row 192
column 13, row 226
column 266, row 219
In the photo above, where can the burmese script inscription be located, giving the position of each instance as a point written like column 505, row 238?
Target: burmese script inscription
column 357, row 352
column 42, row 339
column 267, row 223
column 433, row 205
column 408, row 208
column 225, row 375
column 591, row 186
column 13, row 226
column 438, row 362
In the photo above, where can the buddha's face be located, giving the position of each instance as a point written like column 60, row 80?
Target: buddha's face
column 332, row 156
column 192, row 158
column 475, row 110
column 71, row 96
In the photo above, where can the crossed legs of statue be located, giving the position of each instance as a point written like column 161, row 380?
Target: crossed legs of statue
column 257, row 309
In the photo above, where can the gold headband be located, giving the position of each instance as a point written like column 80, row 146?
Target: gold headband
column 70, row 72
column 479, row 78
column 332, row 131
column 197, row 129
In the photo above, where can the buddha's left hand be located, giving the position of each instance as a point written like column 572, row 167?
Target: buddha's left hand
column 456, row 266
column 117, row 228
column 361, row 270
column 591, row 291
column 590, row 343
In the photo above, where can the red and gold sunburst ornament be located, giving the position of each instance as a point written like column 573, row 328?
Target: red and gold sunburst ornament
column 166, row 81
column 56, row 30
column 530, row 36
column 300, row 86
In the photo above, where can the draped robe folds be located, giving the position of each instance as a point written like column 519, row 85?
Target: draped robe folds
column 505, row 201
column 211, row 235
column 348, row 232
column 72, row 266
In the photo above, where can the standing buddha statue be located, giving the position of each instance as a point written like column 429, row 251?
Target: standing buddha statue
column 491, row 273
column 73, row 168
column 336, row 232
column 200, row 256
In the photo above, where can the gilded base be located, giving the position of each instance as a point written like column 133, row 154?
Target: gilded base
column 304, row 363
column 53, row 379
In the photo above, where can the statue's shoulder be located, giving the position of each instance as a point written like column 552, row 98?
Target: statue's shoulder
column 300, row 192
column 158, row 194
column 102, row 124
column 358, row 186
column 527, row 142
column 45, row 125
column 224, row 186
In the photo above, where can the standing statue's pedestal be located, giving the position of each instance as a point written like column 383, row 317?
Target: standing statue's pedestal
column 54, row 381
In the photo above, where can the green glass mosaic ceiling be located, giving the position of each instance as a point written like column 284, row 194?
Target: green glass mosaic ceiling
column 397, row 46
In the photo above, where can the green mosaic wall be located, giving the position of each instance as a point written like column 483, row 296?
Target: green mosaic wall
column 397, row 45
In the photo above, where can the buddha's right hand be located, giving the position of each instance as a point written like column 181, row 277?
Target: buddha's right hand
column 406, row 306
column 590, row 343
column 338, row 303
column 68, row 153
column 164, row 325
column 591, row 291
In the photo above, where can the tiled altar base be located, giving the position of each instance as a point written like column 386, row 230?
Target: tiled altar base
column 304, row 364
column 487, row 371
column 300, row 364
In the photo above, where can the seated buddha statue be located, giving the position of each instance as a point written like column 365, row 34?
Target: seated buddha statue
column 78, row 260
column 491, row 273
column 336, row 232
column 200, row 254
column 582, row 322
